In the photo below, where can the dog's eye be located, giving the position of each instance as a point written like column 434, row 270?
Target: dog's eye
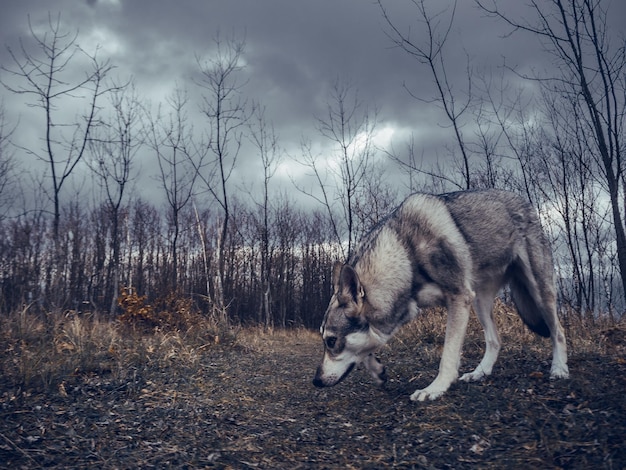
column 330, row 342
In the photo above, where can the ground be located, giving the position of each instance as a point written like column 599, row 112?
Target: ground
column 249, row 403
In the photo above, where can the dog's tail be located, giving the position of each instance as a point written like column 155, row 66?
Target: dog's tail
column 531, row 309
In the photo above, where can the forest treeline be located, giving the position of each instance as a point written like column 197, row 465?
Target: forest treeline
column 263, row 256
column 78, row 273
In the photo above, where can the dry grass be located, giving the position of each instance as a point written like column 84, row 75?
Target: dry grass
column 79, row 391
column 42, row 351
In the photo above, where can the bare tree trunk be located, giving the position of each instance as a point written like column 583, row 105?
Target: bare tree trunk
column 46, row 80
column 112, row 150
column 226, row 112
column 265, row 140
column 172, row 140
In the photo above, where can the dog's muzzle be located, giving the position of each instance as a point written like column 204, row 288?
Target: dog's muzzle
column 318, row 381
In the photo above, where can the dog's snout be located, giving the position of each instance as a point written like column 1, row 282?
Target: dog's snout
column 323, row 379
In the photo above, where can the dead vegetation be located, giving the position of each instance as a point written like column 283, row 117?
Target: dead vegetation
column 79, row 391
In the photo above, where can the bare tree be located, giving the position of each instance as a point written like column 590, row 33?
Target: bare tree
column 319, row 172
column 265, row 140
column 429, row 51
column 171, row 138
column 590, row 71
column 350, row 128
column 144, row 240
column 507, row 130
column 341, row 175
column 113, row 148
column 227, row 113
column 49, row 78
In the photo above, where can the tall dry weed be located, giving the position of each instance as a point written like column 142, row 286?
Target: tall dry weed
column 42, row 351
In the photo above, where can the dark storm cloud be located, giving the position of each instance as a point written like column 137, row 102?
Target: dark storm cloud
column 295, row 49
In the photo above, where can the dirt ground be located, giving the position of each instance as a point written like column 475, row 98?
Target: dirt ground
column 252, row 405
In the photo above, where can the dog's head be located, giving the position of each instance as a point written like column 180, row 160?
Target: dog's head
column 348, row 339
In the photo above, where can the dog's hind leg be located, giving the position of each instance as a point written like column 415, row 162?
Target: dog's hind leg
column 545, row 301
column 458, row 317
column 547, row 306
column 483, row 304
column 559, row 369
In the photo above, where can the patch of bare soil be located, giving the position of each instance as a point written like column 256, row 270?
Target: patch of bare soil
column 252, row 405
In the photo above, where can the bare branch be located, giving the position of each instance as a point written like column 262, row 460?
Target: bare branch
column 430, row 52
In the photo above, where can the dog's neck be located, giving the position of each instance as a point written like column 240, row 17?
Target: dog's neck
column 379, row 336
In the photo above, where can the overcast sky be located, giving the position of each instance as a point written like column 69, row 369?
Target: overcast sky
column 295, row 50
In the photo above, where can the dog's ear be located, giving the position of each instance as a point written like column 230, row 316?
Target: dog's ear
column 349, row 287
column 336, row 276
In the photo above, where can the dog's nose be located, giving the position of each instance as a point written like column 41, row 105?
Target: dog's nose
column 317, row 381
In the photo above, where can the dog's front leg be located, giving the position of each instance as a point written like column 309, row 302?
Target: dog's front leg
column 458, row 317
column 375, row 368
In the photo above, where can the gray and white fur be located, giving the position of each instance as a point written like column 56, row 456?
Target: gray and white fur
column 451, row 250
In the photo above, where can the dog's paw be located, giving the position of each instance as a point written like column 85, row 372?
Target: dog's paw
column 474, row 376
column 381, row 379
column 559, row 371
column 427, row 393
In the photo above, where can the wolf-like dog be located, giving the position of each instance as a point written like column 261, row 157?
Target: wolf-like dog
column 451, row 250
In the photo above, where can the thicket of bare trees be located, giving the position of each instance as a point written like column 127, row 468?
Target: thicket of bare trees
column 265, row 259
column 299, row 260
